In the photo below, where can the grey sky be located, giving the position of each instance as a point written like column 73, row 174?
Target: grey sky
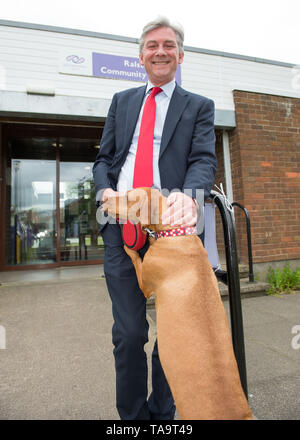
column 260, row 28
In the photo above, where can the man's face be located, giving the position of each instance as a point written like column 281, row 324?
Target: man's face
column 160, row 55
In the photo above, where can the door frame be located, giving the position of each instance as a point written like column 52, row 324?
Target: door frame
column 38, row 129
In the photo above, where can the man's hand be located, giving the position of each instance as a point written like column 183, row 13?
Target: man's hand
column 108, row 193
column 182, row 210
column 109, row 202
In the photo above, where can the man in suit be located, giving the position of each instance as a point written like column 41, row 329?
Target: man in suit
column 183, row 159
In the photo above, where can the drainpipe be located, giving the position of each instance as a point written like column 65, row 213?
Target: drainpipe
column 227, row 166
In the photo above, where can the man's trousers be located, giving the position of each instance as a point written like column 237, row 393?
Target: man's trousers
column 129, row 335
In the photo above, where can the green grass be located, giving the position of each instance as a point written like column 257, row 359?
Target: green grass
column 283, row 281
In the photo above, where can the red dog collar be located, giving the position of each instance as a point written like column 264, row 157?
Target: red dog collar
column 177, row 232
column 135, row 238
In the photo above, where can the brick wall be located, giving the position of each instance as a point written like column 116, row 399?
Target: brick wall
column 265, row 163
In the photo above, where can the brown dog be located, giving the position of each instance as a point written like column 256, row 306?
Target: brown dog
column 193, row 336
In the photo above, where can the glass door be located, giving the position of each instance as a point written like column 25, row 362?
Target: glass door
column 30, row 202
column 79, row 237
column 50, row 213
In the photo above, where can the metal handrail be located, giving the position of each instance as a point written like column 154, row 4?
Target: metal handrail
column 233, row 278
column 250, row 259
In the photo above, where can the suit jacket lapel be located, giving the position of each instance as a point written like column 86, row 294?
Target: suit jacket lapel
column 177, row 105
column 133, row 110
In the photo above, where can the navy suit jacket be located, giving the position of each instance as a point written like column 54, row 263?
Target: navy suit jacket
column 187, row 159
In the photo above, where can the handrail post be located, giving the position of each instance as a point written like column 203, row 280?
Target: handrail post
column 236, row 317
column 250, row 259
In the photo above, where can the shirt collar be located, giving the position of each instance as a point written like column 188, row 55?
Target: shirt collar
column 167, row 88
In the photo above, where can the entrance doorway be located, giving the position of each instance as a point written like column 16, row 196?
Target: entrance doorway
column 50, row 208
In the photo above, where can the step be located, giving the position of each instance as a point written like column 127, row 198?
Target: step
column 257, row 288
column 246, row 288
column 243, row 269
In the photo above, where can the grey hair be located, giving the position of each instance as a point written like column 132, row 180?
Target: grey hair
column 163, row 22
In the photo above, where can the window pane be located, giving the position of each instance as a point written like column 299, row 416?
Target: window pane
column 79, row 236
column 30, row 202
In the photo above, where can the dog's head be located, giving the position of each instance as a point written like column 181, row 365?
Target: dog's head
column 140, row 205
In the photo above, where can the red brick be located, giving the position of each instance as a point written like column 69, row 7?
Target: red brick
column 265, row 164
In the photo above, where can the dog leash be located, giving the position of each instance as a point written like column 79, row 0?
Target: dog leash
column 222, row 194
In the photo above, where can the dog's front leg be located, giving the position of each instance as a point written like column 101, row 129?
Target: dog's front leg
column 137, row 262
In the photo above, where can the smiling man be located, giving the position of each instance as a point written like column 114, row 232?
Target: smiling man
column 160, row 55
column 155, row 135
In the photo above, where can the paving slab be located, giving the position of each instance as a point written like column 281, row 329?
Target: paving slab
column 58, row 361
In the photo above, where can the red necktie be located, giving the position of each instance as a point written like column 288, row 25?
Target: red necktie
column 143, row 167
column 133, row 235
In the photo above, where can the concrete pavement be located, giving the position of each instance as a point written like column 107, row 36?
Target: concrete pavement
column 58, row 361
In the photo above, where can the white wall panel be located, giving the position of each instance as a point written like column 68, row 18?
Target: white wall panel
column 32, row 56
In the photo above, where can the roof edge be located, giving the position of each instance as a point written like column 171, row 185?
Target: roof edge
column 63, row 30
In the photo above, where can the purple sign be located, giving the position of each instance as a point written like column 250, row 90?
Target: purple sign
column 126, row 68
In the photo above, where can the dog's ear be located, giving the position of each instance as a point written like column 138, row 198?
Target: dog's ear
column 155, row 208
column 151, row 206
column 139, row 206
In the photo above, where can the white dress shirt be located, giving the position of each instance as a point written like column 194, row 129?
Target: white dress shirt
column 125, row 181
